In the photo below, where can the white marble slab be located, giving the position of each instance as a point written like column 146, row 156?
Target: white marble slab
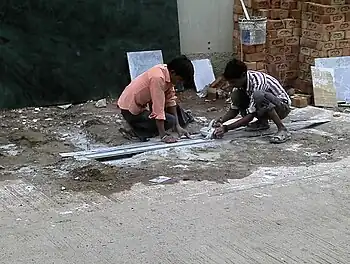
column 141, row 61
column 203, row 73
column 341, row 66
column 324, row 87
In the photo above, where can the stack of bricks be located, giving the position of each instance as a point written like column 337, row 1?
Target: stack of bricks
column 253, row 55
column 279, row 55
column 325, row 32
column 283, row 35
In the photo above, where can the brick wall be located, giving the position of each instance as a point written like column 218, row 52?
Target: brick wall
column 298, row 31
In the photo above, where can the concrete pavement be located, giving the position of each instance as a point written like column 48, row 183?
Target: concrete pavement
column 276, row 215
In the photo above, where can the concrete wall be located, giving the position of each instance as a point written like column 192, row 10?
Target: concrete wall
column 206, row 30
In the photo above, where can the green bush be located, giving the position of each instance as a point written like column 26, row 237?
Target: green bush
column 59, row 51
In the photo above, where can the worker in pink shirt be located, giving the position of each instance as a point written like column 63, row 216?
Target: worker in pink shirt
column 149, row 104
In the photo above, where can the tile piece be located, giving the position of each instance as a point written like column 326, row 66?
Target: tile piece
column 324, row 87
column 141, row 61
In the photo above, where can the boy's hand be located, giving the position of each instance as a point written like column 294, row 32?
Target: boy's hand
column 218, row 122
column 220, row 131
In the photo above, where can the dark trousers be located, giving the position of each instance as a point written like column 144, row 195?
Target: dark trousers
column 264, row 102
column 144, row 127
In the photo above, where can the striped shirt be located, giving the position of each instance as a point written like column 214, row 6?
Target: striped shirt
column 259, row 81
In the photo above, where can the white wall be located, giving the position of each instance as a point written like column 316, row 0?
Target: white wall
column 205, row 25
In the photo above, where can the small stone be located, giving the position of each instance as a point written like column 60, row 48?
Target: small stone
column 212, row 109
column 63, row 188
column 65, row 107
column 101, row 103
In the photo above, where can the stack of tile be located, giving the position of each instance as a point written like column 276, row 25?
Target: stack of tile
column 325, row 32
column 253, row 55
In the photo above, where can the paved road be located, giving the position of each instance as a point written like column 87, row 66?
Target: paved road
column 282, row 215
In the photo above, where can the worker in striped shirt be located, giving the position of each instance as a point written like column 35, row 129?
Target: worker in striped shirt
column 256, row 94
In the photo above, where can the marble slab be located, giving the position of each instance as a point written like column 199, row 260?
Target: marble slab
column 141, row 61
column 341, row 67
column 203, row 73
column 324, row 87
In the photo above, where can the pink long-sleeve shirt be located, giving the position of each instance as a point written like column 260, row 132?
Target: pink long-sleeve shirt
column 152, row 87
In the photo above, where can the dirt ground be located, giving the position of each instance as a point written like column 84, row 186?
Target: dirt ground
column 31, row 140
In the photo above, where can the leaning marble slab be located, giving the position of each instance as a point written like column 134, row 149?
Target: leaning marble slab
column 141, row 61
column 203, row 74
column 341, row 66
column 324, row 87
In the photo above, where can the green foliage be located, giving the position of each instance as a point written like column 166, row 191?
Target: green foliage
column 57, row 51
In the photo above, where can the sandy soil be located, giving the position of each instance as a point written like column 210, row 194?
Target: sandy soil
column 31, row 140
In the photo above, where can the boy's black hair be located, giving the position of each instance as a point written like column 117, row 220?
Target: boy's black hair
column 235, row 69
column 183, row 67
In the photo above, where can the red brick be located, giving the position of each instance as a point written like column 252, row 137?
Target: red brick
column 260, row 48
column 275, row 59
column 292, row 41
column 274, row 24
column 272, row 34
column 303, row 86
column 263, row 13
column 248, row 3
column 254, row 57
column 296, row 14
column 279, row 13
column 275, row 4
column 260, row 65
column 326, row 19
column 276, row 50
column 342, row 44
column 291, row 57
column 251, row 65
column 332, row 2
column 281, row 67
column 312, row 26
column 347, row 17
column 291, row 23
column 291, row 74
column 248, row 49
column 297, row 32
column 305, row 51
column 346, row 52
column 325, row 45
column 315, row 53
column 288, row 4
column 306, row 16
column 285, row 33
column 261, row 4
column 327, row 28
column 304, row 66
column 344, row 26
column 308, row 42
column 322, row 9
column 338, row 35
column 335, row 53
column 278, row 42
column 344, row 9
